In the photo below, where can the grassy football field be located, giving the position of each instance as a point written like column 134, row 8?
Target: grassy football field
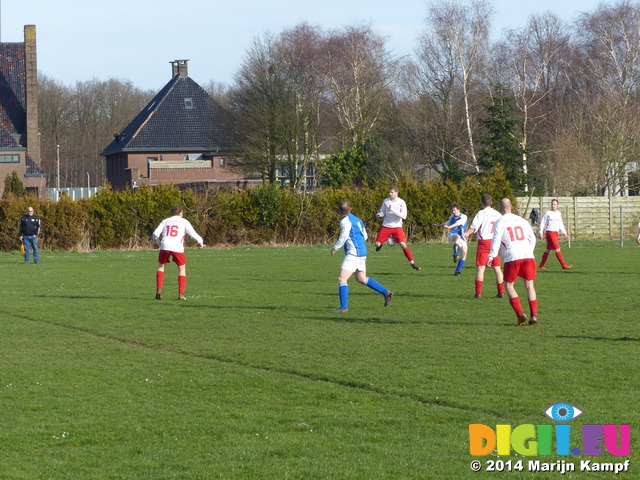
column 253, row 378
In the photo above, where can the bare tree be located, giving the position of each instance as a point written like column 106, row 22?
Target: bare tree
column 533, row 62
column 257, row 105
column 55, row 115
column 300, row 49
column 609, row 48
column 82, row 120
column 358, row 73
column 451, row 56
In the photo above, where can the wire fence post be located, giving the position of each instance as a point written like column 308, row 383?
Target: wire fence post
column 566, row 215
column 621, row 229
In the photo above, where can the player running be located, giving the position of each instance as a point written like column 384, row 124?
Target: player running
column 393, row 211
column 482, row 225
column 456, row 224
column 514, row 237
column 173, row 230
column 353, row 236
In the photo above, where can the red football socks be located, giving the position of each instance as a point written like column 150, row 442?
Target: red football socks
column 515, row 304
column 545, row 255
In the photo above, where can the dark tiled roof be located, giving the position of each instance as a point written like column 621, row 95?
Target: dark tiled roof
column 7, row 140
column 171, row 123
column 13, row 115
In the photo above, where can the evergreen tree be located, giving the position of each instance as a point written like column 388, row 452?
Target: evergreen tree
column 13, row 185
column 347, row 167
column 500, row 147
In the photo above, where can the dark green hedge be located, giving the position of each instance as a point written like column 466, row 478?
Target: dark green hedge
column 265, row 214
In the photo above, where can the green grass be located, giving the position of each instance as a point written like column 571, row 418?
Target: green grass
column 252, row 378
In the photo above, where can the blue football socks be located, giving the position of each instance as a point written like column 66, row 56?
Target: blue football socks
column 343, row 291
column 373, row 284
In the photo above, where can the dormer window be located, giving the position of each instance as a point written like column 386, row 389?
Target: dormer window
column 188, row 103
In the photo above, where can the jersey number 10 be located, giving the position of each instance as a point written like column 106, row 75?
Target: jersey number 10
column 516, row 233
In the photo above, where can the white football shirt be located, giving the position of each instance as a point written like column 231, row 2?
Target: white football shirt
column 484, row 221
column 514, row 237
column 552, row 222
column 173, row 230
column 393, row 211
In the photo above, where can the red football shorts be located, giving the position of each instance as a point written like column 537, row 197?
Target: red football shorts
column 525, row 268
column 164, row 257
column 385, row 232
column 482, row 254
column 552, row 241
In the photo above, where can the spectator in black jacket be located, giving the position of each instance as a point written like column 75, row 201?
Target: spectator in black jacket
column 29, row 231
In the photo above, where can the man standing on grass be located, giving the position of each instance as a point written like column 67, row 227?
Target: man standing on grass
column 393, row 211
column 173, row 230
column 353, row 236
column 552, row 223
column 29, row 231
column 515, row 238
column 482, row 225
column 456, row 224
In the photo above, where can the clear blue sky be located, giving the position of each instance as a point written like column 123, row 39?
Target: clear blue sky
column 136, row 39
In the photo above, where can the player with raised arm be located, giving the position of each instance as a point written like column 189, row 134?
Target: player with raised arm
column 514, row 237
column 393, row 211
column 456, row 225
column 482, row 225
column 172, row 230
column 552, row 223
column 353, row 236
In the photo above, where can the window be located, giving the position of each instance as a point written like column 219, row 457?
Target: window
column 222, row 162
column 188, row 103
column 152, row 159
column 9, row 158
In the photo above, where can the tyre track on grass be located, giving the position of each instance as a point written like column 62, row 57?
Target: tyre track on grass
column 365, row 388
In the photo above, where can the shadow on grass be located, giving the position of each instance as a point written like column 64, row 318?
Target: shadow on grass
column 345, row 318
column 586, row 337
column 78, row 297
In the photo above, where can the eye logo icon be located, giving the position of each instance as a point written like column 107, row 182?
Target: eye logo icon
column 562, row 412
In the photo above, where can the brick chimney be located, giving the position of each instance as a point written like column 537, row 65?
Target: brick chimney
column 31, row 94
column 179, row 68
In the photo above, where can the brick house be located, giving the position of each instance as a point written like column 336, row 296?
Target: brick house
column 19, row 136
column 181, row 137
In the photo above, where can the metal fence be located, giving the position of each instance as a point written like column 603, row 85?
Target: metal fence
column 73, row 193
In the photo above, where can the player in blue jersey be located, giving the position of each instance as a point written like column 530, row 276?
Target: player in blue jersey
column 353, row 236
column 456, row 225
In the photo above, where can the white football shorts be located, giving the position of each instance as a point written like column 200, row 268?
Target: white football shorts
column 452, row 238
column 351, row 263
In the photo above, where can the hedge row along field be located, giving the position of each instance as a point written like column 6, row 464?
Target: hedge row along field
column 266, row 214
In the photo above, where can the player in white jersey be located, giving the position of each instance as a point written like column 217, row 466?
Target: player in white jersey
column 173, row 230
column 638, row 239
column 552, row 223
column 482, row 226
column 514, row 237
column 393, row 211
